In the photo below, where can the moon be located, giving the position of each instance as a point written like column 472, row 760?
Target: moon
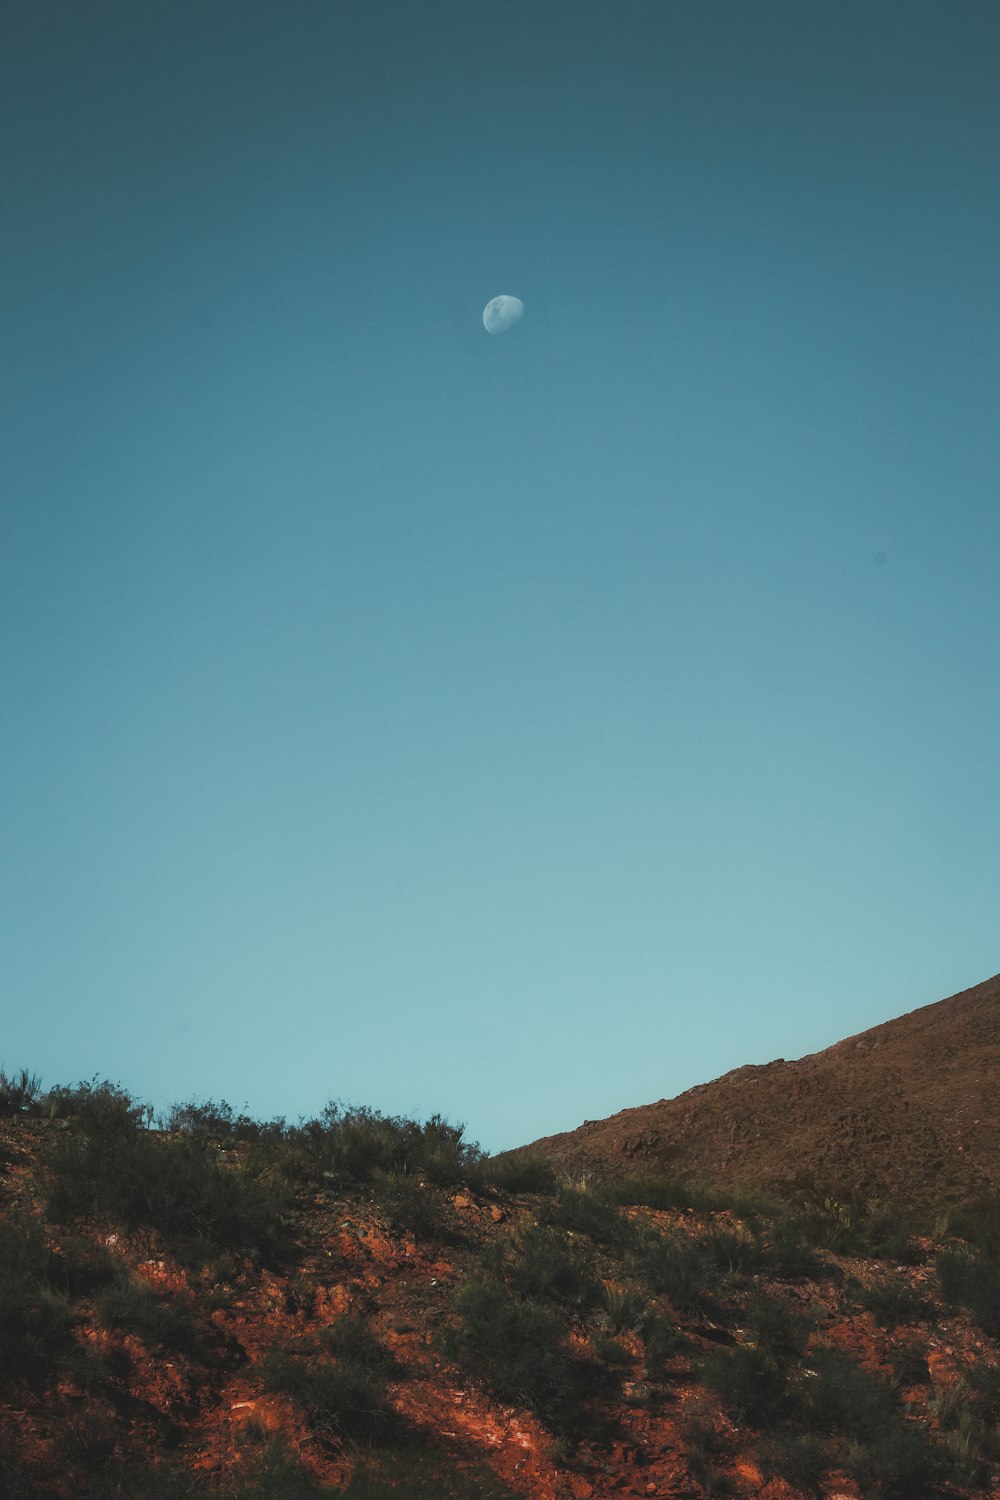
column 502, row 313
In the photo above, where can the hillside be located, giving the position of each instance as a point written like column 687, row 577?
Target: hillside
column 905, row 1111
column 366, row 1307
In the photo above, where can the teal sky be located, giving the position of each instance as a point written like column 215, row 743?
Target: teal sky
column 517, row 727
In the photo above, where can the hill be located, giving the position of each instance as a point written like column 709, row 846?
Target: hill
column 366, row 1307
column 905, row 1111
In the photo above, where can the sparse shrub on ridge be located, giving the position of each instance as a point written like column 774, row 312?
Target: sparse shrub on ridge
column 18, row 1092
column 107, row 1166
column 345, row 1401
column 519, row 1172
column 346, row 1146
column 751, row 1383
column 219, row 1122
column 585, row 1210
column 544, row 1263
column 776, row 1327
column 409, row 1206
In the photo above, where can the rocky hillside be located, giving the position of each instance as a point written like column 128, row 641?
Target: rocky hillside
column 906, row 1111
column 365, row 1307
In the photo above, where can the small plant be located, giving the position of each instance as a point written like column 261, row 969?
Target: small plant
column 706, row 1449
column 519, row 1172
column 971, row 1279
column 409, row 1206
column 662, row 1340
column 345, row 1401
column 131, row 1305
column 416, row 1475
column 799, row 1459
column 36, row 1321
column 515, row 1345
column 18, row 1092
column 610, row 1351
column 895, row 1462
column 585, row 1210
column 686, row 1269
column 752, row 1385
column 546, row 1264
column 775, row 1327
column 840, row 1396
column 625, row 1308
column 351, row 1339
column 890, row 1299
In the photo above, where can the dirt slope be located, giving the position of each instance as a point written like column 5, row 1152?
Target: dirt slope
column 907, row 1109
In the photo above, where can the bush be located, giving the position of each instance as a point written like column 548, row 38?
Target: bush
column 345, row 1401
column 789, row 1249
column 36, row 1322
column 415, row 1475
column 890, row 1299
column 751, row 1384
column 519, row 1172
column 971, row 1279
column 515, row 1345
column 798, row 1458
column 18, row 1092
column 688, row 1268
column 775, row 1327
column 586, row 1210
column 662, row 1340
column 102, row 1109
column 353, row 1145
column 109, row 1167
column 409, row 1206
column 219, row 1122
column 842, row 1397
column 625, row 1309
column 896, row 1461
column 545, row 1264
column 351, row 1339
column 977, row 1221
column 133, row 1306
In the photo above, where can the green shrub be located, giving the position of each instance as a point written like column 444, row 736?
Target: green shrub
column 775, row 1327
column 519, row 1172
column 790, row 1249
column 662, row 1340
column 587, row 1211
column 689, row 1268
column 133, row 1306
column 545, row 1264
column 625, row 1308
column 752, row 1384
column 409, row 1206
column 18, row 1092
column 890, row 1299
column 977, row 1221
column 352, row 1145
column 36, row 1321
column 515, row 1345
column 799, row 1459
column 219, row 1122
column 610, row 1351
column 104, row 1109
column 106, row 1166
column 345, row 1401
column 841, row 1397
column 896, row 1461
column 350, row 1338
column 971, row 1279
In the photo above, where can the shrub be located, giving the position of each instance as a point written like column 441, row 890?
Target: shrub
column 519, row 1172
column 352, row 1145
column 842, row 1397
column 18, row 1092
column 344, row 1401
column 108, row 1167
column 585, row 1210
column 789, row 1248
column 351, row 1339
column 971, row 1279
column 688, row 1268
column 890, row 1299
column 515, row 1346
column 102, row 1109
column 662, row 1340
column 775, row 1327
column 798, row 1458
column 977, row 1221
column 896, row 1461
column 36, row 1322
column 409, row 1206
column 134, row 1307
column 610, row 1351
column 625, row 1309
column 751, row 1384
column 545, row 1264
column 220, row 1122
column 415, row 1475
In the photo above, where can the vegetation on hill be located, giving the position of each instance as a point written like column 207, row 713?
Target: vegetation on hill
column 368, row 1306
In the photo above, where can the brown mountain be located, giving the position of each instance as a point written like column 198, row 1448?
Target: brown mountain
column 905, row 1110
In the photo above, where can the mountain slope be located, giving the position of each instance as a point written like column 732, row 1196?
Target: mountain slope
column 905, row 1110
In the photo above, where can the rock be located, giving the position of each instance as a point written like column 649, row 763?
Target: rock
column 462, row 1200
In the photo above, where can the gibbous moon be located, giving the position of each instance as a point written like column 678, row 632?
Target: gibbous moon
column 502, row 313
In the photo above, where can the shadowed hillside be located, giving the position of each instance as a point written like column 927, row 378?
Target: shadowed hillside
column 906, row 1111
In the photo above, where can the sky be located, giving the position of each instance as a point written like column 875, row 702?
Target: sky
column 518, row 727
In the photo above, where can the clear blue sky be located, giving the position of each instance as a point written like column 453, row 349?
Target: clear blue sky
column 516, row 727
